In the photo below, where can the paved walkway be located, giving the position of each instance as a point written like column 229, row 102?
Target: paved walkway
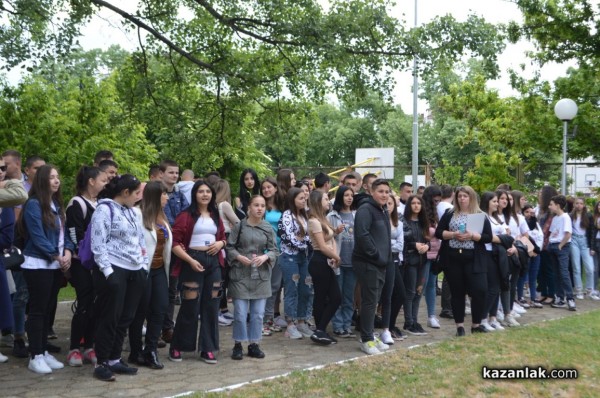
column 282, row 356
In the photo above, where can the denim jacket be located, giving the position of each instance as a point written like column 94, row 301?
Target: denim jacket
column 176, row 204
column 41, row 241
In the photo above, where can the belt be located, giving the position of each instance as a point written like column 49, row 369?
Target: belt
column 462, row 250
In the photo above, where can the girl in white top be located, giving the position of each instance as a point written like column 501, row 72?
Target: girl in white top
column 581, row 243
column 536, row 235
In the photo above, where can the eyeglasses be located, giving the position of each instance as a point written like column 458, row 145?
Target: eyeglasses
column 2, row 168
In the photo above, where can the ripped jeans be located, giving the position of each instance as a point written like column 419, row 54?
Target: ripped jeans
column 297, row 284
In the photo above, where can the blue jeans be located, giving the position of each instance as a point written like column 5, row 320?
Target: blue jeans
column 297, row 284
column 248, row 332
column 430, row 290
column 581, row 251
column 342, row 320
column 560, row 266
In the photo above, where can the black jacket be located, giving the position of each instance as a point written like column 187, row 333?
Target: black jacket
column 412, row 236
column 372, row 235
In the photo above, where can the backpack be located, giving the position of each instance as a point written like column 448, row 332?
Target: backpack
column 86, row 256
column 82, row 204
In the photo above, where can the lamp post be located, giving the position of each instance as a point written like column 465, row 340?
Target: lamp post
column 415, row 126
column 566, row 110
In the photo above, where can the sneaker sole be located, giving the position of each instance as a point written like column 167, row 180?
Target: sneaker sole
column 175, row 359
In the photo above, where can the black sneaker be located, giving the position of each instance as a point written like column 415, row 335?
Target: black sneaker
column 208, row 357
column 320, row 337
column 238, row 352
column 571, row 305
column 397, row 334
column 333, row 339
column 254, row 351
column 350, row 333
column 122, row 368
column 420, row 329
column 479, row 329
column 460, row 331
column 412, row 329
column 19, row 349
column 54, row 349
column 343, row 334
column 175, row 355
column 103, row 372
column 150, row 359
column 559, row 304
column 446, row 314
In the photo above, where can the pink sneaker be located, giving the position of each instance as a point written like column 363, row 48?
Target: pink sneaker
column 89, row 356
column 74, row 358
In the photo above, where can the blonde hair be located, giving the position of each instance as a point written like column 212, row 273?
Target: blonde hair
column 223, row 191
column 473, row 200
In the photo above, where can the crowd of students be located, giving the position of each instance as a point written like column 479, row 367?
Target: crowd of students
column 332, row 261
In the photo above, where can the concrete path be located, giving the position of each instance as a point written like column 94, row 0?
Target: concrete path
column 191, row 375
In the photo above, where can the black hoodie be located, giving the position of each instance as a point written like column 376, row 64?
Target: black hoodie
column 372, row 234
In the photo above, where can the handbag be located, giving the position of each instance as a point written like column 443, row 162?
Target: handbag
column 12, row 259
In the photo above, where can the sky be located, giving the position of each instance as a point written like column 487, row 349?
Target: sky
column 106, row 30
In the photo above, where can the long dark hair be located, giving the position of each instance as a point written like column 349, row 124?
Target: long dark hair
column 40, row 190
column 486, row 197
column 245, row 194
column 291, row 206
column 394, row 218
column 284, row 183
column 430, row 208
column 421, row 217
column 546, row 194
column 212, row 205
column 277, row 201
column 585, row 221
column 151, row 203
column 338, row 204
column 317, row 211
column 507, row 212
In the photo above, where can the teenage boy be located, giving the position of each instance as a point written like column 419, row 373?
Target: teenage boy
column 32, row 164
column 370, row 258
column 110, row 167
column 176, row 204
column 351, row 182
column 406, row 189
column 559, row 248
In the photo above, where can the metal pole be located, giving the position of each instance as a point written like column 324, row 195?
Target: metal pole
column 563, row 185
column 415, row 127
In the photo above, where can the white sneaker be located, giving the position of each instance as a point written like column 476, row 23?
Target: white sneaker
column 281, row 322
column 52, row 362
column 468, row 310
column 433, row 322
column 292, row 332
column 224, row 321
column 3, row 358
column 515, row 314
column 518, row 308
column 579, row 296
column 496, row 325
column 510, row 320
column 304, row 330
column 386, row 337
column 381, row 346
column 486, row 325
column 595, row 295
column 370, row 348
column 39, row 365
column 500, row 316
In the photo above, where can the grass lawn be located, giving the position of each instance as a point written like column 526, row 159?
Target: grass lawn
column 66, row 293
column 453, row 368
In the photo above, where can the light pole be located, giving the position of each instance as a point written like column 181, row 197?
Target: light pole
column 415, row 126
column 566, row 110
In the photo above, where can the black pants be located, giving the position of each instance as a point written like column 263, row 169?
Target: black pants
column 413, row 275
column 43, row 286
column 327, row 290
column 446, row 297
column 83, row 322
column 152, row 308
column 371, row 279
column 493, row 290
column 206, row 298
column 168, row 322
column 462, row 281
column 117, row 300
column 398, row 294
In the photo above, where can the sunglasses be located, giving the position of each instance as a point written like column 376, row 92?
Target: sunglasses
column 2, row 168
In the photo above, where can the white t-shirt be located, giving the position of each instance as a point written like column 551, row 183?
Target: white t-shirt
column 516, row 230
column 559, row 227
column 498, row 228
column 442, row 207
column 577, row 230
